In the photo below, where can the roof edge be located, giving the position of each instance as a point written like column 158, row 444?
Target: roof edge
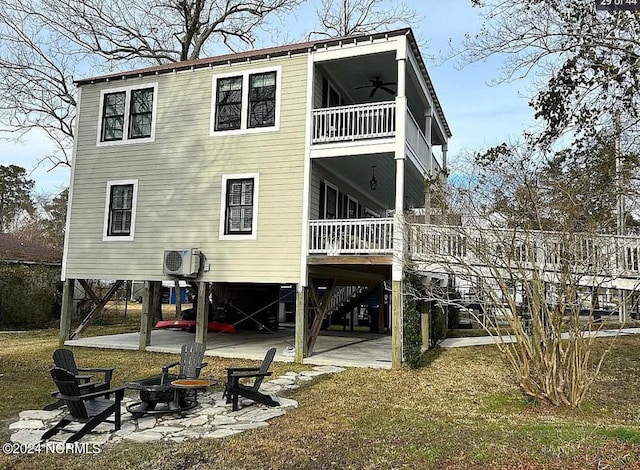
column 277, row 51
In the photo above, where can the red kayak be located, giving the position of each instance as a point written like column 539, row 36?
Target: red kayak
column 191, row 325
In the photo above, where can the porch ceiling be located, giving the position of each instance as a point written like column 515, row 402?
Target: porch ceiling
column 370, row 274
column 357, row 170
column 351, row 74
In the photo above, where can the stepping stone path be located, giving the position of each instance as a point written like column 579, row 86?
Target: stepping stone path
column 211, row 418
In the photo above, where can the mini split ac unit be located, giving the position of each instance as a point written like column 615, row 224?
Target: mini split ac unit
column 182, row 262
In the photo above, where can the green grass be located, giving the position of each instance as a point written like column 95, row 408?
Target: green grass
column 459, row 410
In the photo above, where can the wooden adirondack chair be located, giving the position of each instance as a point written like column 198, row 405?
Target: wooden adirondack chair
column 64, row 359
column 190, row 364
column 234, row 389
column 87, row 408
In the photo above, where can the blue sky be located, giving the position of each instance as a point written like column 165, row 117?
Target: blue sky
column 479, row 115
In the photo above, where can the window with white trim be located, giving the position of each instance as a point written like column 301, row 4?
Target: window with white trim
column 262, row 99
column 113, row 116
column 239, row 216
column 239, row 208
column 246, row 102
column 229, row 104
column 141, row 113
column 127, row 115
column 120, row 210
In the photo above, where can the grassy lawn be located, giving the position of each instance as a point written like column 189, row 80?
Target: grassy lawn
column 460, row 410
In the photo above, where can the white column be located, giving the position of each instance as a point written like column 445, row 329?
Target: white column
column 428, row 117
column 401, row 116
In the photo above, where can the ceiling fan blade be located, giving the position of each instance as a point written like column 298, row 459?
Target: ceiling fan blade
column 373, row 92
column 365, row 86
column 388, row 90
column 388, row 83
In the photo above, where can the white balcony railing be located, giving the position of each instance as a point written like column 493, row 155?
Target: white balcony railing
column 604, row 255
column 354, row 122
column 417, row 142
column 351, row 236
column 615, row 255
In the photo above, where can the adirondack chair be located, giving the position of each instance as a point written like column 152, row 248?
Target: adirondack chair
column 235, row 389
column 191, row 364
column 64, row 359
column 87, row 408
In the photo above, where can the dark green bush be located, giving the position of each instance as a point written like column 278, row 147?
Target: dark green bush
column 29, row 296
column 412, row 336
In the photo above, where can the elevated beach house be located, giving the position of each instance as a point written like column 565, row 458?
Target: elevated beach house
column 277, row 172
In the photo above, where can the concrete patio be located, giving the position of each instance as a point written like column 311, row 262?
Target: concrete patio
column 332, row 348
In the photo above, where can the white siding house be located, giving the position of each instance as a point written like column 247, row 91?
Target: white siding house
column 278, row 166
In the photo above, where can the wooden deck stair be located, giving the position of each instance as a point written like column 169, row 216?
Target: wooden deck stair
column 347, row 299
column 335, row 300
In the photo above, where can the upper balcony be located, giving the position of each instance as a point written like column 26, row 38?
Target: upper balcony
column 371, row 121
column 366, row 97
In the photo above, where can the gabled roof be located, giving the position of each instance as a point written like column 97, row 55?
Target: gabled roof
column 278, row 51
column 17, row 250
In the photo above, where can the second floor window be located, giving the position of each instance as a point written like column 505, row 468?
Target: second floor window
column 127, row 114
column 113, row 116
column 141, row 113
column 262, row 99
column 246, row 102
column 229, row 104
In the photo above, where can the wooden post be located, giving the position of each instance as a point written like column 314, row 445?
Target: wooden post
column 425, row 318
column 320, row 308
column 150, row 303
column 178, row 292
column 202, row 317
column 396, row 327
column 302, row 324
column 67, row 310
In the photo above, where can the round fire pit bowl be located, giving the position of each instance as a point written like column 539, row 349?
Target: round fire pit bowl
column 157, row 396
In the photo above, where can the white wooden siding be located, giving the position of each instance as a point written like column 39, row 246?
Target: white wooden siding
column 179, row 184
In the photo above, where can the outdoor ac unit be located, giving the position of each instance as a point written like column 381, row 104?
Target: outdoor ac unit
column 182, row 262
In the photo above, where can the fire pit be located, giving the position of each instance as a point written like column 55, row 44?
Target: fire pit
column 158, row 396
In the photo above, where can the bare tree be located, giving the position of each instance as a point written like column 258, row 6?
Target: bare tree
column 538, row 292
column 350, row 17
column 36, row 90
column 45, row 43
column 584, row 63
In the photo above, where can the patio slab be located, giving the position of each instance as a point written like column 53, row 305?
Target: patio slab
column 335, row 349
